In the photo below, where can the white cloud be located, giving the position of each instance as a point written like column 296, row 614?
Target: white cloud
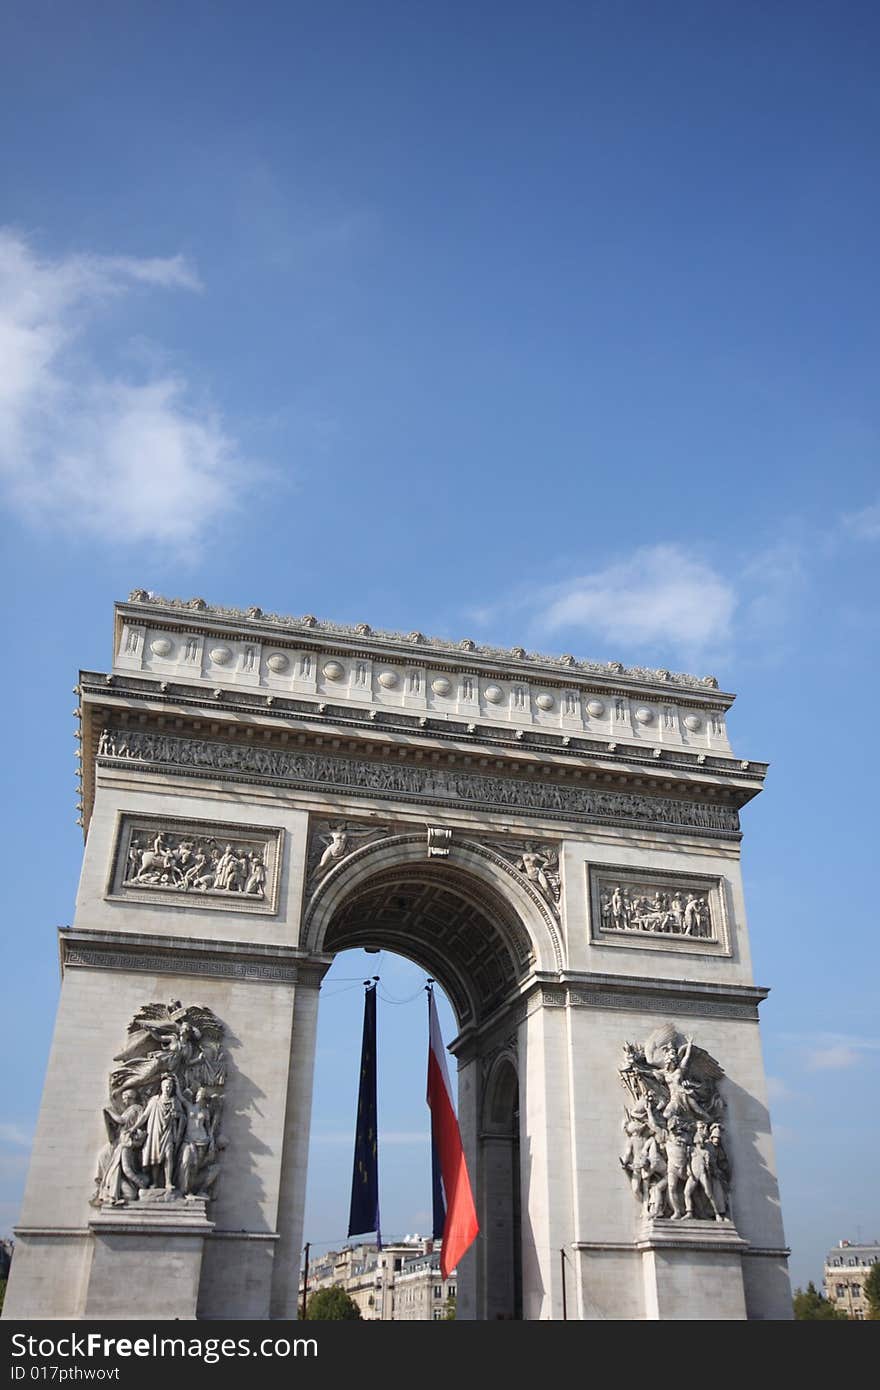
column 657, row 597
column 775, row 578
column 832, row 1058
column 777, row 1089
column 835, row 1051
column 864, row 524
column 118, row 458
column 17, row 1135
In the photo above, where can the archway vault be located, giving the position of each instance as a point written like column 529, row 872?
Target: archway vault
column 470, row 919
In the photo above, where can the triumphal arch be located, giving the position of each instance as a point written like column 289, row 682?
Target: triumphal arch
column 556, row 841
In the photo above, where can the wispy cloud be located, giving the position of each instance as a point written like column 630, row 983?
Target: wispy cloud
column 773, row 580
column 864, row 524
column 778, row 1090
column 836, row 1051
column 658, row 594
column 83, row 447
column 15, row 1134
column 657, row 598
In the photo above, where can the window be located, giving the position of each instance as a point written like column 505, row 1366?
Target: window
column 438, row 1291
column 857, row 1290
column 841, row 1290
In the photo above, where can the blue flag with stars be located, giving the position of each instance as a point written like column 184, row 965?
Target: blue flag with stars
column 364, row 1213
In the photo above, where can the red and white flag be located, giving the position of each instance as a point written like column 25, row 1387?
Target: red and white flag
column 461, row 1226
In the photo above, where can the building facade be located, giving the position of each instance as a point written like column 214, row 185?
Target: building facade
column 399, row 1283
column 846, row 1268
column 556, row 841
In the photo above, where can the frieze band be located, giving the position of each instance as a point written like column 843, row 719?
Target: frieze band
column 182, row 965
column 390, row 782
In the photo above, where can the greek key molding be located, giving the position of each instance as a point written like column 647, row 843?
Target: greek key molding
column 401, row 782
column 181, row 965
column 658, row 1003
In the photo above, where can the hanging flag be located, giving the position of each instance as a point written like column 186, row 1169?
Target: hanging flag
column 460, row 1227
column 364, row 1213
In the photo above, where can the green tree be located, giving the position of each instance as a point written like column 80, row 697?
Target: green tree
column 871, row 1291
column 449, row 1308
column 331, row 1305
column 810, row 1306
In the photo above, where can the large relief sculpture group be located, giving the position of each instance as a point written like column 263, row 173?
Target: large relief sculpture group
column 165, row 1107
column 674, row 1153
column 639, row 908
column 205, row 865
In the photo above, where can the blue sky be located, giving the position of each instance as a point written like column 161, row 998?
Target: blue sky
column 555, row 325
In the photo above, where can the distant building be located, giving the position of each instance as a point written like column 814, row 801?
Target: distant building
column 846, row 1269
column 400, row 1282
column 421, row 1292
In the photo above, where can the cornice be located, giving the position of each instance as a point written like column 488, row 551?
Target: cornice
column 81, row 947
column 122, row 690
column 415, row 647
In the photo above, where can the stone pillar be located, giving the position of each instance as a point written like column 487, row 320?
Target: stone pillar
column 545, row 1157
column 471, row 1271
column 295, row 1152
column 147, row 1257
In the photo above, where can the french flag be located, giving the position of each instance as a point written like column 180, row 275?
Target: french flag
column 460, row 1227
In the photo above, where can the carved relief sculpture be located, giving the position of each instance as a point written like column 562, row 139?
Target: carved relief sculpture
column 674, row 1153
column 165, row 1106
column 679, row 912
column 227, row 865
column 333, row 841
column 539, row 864
column 434, row 784
column 663, row 910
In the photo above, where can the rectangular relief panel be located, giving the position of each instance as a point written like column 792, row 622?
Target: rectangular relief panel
column 658, row 911
column 232, row 868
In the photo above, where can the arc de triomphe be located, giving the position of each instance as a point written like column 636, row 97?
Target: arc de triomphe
column 556, row 841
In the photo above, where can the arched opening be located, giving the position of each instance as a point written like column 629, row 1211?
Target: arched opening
column 499, row 1147
column 456, row 926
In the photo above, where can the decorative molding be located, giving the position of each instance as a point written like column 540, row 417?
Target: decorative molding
column 188, row 956
column 439, row 840
column 204, row 864
column 400, row 782
column 181, row 965
column 554, row 998
column 312, row 626
column 654, row 910
column 659, row 1003
column 276, row 705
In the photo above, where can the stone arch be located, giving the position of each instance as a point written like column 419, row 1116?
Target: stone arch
column 470, row 919
column 500, row 1199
